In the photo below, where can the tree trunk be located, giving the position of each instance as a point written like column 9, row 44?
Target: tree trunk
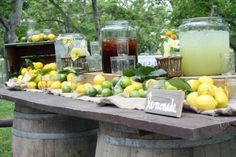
column 96, row 19
column 11, row 24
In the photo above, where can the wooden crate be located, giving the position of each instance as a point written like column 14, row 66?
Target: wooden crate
column 16, row 53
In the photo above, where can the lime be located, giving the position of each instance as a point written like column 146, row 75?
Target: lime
column 117, row 91
column 106, row 92
column 142, row 93
column 134, row 94
column 125, row 82
column 91, row 91
column 29, row 39
column 23, row 39
column 66, row 89
column 55, row 77
column 62, row 77
column 115, row 80
column 45, row 38
column 106, row 84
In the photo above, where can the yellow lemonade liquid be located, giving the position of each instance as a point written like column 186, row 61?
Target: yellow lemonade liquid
column 201, row 51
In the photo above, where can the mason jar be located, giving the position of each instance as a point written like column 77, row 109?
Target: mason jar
column 65, row 45
column 202, row 40
column 116, row 31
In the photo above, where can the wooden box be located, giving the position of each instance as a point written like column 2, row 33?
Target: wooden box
column 16, row 53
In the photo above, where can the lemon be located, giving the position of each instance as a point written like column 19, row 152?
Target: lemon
column 169, row 33
column 70, row 77
column 98, row 79
column 35, row 38
column 53, row 66
column 206, row 88
column 37, row 79
column 55, row 85
column 194, row 84
column 51, row 37
column 53, row 72
column 23, row 71
column 46, row 66
column 205, row 102
column 77, row 52
column 137, row 85
column 129, row 89
column 41, row 36
column 31, row 85
column 191, row 98
column 98, row 88
column 88, row 85
column 80, row 89
column 49, row 83
column 221, row 98
column 42, row 84
column 19, row 79
column 73, row 85
column 206, row 79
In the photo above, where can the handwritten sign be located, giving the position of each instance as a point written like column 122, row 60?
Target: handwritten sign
column 165, row 102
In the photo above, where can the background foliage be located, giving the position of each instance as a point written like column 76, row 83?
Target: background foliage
column 62, row 16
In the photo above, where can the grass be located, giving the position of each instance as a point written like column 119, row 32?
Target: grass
column 6, row 110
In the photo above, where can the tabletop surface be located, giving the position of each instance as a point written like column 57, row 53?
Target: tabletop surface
column 190, row 126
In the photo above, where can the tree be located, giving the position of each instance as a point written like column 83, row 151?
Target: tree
column 96, row 18
column 10, row 21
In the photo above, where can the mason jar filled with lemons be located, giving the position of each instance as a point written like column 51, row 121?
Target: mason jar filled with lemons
column 71, row 50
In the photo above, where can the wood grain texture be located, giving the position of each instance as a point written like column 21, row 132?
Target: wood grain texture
column 131, row 147
column 42, row 134
column 189, row 126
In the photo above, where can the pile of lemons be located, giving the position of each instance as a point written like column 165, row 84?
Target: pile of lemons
column 206, row 95
column 38, row 38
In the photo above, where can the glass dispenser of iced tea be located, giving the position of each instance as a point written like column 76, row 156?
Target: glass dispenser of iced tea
column 116, row 31
column 202, row 41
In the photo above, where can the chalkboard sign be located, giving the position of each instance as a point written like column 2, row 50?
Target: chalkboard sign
column 165, row 102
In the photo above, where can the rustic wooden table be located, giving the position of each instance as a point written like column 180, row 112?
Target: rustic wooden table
column 189, row 126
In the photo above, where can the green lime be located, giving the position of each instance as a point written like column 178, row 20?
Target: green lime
column 117, row 91
column 62, row 77
column 66, row 89
column 106, row 84
column 23, row 39
column 29, row 39
column 45, row 38
column 134, row 94
column 115, row 80
column 106, row 92
column 91, row 91
column 125, row 82
column 142, row 93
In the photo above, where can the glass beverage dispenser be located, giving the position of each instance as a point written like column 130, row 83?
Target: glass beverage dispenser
column 109, row 34
column 202, row 40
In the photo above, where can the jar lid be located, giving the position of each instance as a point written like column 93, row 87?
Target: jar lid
column 203, row 23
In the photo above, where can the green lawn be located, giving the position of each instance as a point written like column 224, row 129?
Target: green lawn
column 6, row 110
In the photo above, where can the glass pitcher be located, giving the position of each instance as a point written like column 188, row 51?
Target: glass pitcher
column 202, row 40
column 110, row 34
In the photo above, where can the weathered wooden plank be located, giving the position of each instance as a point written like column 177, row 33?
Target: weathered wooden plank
column 189, row 126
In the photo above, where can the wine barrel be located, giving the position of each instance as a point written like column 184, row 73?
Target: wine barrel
column 38, row 133
column 120, row 141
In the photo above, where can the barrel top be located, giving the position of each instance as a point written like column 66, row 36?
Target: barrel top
column 189, row 126
column 29, row 44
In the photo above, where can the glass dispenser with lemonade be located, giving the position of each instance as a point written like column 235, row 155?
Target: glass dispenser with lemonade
column 202, row 40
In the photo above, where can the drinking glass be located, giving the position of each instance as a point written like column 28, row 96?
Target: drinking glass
column 122, row 46
column 120, row 63
column 227, row 63
column 95, row 48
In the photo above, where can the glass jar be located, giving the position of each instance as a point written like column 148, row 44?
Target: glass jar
column 202, row 40
column 2, row 70
column 109, row 34
column 71, row 50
